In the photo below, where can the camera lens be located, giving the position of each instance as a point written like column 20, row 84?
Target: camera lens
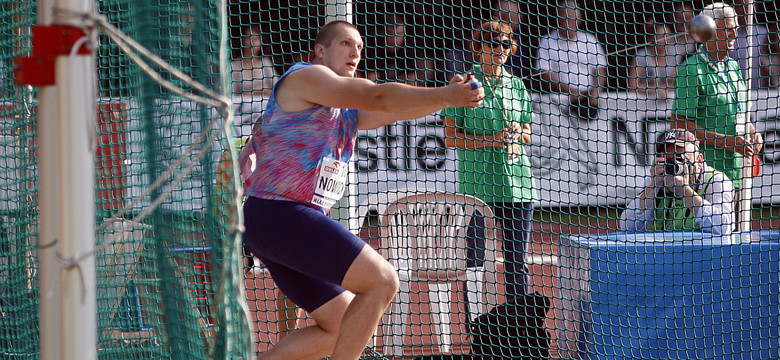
column 670, row 168
column 675, row 165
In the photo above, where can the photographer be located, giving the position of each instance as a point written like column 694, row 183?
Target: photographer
column 683, row 192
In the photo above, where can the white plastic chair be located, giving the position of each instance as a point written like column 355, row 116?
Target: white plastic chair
column 424, row 237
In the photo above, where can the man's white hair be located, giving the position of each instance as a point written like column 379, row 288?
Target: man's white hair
column 719, row 10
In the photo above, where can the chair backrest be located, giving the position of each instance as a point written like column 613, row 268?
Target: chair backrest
column 426, row 233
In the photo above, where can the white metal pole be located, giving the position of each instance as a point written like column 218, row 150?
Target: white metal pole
column 77, row 199
column 48, row 268
column 746, row 191
column 49, row 303
column 74, row 207
column 338, row 10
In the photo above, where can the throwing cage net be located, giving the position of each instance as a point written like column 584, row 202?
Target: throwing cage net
column 513, row 250
column 168, row 253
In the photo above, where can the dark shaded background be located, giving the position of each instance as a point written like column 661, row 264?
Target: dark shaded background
column 434, row 26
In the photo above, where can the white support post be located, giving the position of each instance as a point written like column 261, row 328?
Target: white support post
column 48, row 165
column 354, row 224
column 49, row 312
column 48, row 268
column 75, row 84
column 338, row 10
column 68, row 303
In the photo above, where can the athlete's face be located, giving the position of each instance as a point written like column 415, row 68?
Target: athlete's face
column 343, row 54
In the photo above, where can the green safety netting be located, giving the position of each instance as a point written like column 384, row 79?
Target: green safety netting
column 175, row 283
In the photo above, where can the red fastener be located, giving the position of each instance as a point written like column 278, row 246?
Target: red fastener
column 35, row 70
column 48, row 42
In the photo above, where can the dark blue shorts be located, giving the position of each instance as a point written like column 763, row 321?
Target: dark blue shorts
column 306, row 252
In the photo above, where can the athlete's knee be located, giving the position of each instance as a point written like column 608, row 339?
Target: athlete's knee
column 330, row 316
column 387, row 281
column 373, row 276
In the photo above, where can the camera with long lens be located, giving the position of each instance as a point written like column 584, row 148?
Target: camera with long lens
column 676, row 165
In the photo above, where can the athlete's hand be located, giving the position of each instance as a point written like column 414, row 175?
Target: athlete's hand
column 464, row 92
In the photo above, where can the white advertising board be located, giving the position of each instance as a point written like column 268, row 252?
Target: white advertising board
column 576, row 162
column 598, row 162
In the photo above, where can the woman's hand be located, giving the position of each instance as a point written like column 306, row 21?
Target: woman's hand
column 511, row 134
column 512, row 137
column 678, row 184
column 513, row 152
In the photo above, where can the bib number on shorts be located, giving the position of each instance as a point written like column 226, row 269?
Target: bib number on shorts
column 330, row 183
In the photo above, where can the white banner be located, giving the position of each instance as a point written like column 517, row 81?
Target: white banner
column 599, row 162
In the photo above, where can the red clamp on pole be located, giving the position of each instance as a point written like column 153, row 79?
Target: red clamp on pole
column 48, row 42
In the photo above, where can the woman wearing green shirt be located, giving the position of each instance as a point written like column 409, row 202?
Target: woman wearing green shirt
column 711, row 99
column 493, row 165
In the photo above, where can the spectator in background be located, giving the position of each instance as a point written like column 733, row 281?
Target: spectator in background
column 751, row 70
column 573, row 62
column 652, row 70
column 770, row 65
column 388, row 57
column 253, row 69
column 681, row 16
column 689, row 195
column 456, row 61
column 520, row 63
column 710, row 100
column 416, row 71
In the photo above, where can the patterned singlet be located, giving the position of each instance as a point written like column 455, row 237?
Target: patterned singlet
column 302, row 156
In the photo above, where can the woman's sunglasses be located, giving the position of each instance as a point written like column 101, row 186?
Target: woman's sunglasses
column 494, row 43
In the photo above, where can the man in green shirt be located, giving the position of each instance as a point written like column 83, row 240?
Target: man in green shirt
column 711, row 100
